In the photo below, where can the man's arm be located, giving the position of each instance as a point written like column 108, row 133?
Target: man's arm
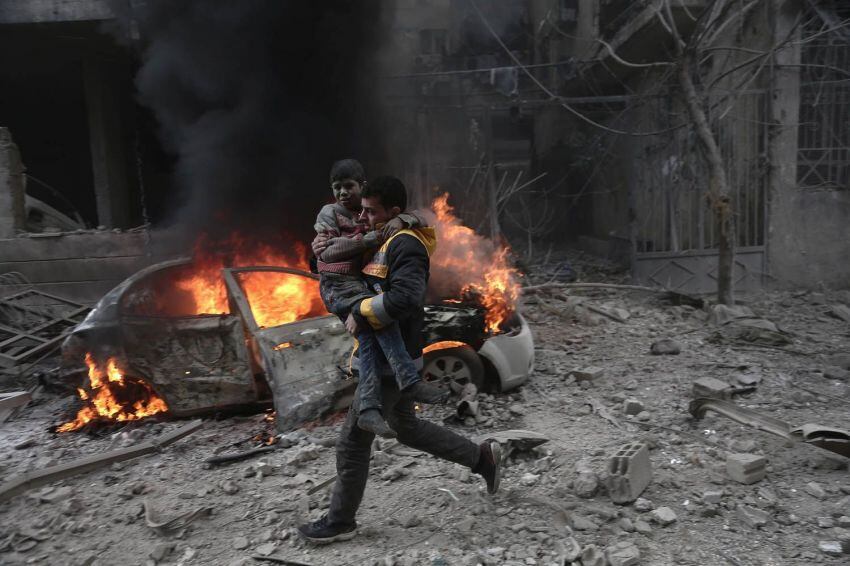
column 408, row 280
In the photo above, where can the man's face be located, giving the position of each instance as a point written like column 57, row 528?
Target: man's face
column 347, row 193
column 375, row 213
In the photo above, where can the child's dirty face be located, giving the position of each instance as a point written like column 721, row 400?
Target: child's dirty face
column 347, row 193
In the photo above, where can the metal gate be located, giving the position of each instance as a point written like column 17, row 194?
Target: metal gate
column 673, row 232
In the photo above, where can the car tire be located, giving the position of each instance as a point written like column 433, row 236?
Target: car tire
column 454, row 367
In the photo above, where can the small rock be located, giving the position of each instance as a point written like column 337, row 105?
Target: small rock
column 643, row 416
column 569, row 549
column 410, row 520
column 592, row 556
column 815, row 490
column 265, row 549
column 752, row 516
column 623, row 554
column 229, row 487
column 626, row 524
column 380, row 458
column 240, row 543
column 665, row 347
column 839, row 360
column 841, row 312
column 830, row 547
column 585, row 485
column 825, row 522
column 663, row 516
column 643, row 527
column 643, row 505
column 843, row 521
column 161, row 550
column 516, row 410
column 51, row 495
column 592, row 373
column 582, row 523
column 712, row 497
column 529, row 479
column 838, row 373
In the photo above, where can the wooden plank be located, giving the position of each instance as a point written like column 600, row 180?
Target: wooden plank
column 23, row 482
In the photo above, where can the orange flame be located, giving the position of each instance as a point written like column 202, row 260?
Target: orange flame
column 275, row 298
column 107, row 389
column 469, row 264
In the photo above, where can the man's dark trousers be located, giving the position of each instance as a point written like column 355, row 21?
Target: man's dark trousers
column 355, row 444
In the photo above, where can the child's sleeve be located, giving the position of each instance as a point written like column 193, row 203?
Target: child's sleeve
column 326, row 222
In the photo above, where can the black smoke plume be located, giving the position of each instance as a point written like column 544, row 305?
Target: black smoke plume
column 256, row 99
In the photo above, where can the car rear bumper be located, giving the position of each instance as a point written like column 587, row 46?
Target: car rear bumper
column 511, row 354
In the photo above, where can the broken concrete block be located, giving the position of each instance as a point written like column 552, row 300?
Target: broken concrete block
column 841, row 312
column 629, row 472
column 591, row 373
column 632, row 406
column 746, row 468
column 623, row 554
column 712, row 497
column 830, row 547
column 721, row 314
column 663, row 516
column 752, row 516
column 711, row 388
column 585, row 485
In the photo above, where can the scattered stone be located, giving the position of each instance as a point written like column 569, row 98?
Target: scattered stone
column 381, row 458
column 643, row 527
column 643, row 416
column 752, row 516
column 626, row 524
column 711, row 388
column 265, row 549
column 665, row 347
column 746, row 468
column 569, row 550
column 712, row 497
column 825, row 522
column 632, row 406
column 643, row 505
column 721, row 314
column 592, row 373
column 839, row 360
column 843, row 521
column 586, row 484
column 841, row 312
column 161, row 550
column 529, row 479
column 592, row 556
column 815, row 490
column 240, row 543
column 408, row 521
column 229, row 487
column 51, row 495
column 830, row 547
column 663, row 516
column 623, row 554
column 837, row 373
column 263, row 468
column 516, row 410
column 582, row 523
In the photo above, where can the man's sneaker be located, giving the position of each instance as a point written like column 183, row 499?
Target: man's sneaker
column 322, row 532
column 371, row 420
column 424, row 392
column 490, row 464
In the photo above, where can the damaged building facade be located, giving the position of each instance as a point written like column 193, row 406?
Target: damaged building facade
column 599, row 111
column 558, row 149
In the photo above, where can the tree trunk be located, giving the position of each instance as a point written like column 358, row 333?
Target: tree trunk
column 718, row 193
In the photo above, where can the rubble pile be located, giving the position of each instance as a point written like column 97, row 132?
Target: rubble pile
column 613, row 469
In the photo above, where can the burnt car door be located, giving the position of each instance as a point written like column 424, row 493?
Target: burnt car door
column 306, row 360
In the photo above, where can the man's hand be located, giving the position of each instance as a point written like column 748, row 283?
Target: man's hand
column 391, row 227
column 320, row 243
column 351, row 325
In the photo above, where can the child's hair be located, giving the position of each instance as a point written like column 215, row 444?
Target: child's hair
column 347, row 169
column 390, row 191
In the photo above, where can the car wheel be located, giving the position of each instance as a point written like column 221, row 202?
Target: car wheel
column 454, row 367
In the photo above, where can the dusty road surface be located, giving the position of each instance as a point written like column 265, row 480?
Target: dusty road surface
column 595, row 388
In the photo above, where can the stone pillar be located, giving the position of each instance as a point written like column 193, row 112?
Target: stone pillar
column 12, row 187
column 111, row 185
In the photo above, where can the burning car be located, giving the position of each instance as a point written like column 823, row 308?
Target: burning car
column 191, row 336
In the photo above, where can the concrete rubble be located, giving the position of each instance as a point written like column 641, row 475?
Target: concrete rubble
column 679, row 500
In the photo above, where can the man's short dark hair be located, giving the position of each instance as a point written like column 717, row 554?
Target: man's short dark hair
column 347, row 169
column 389, row 190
